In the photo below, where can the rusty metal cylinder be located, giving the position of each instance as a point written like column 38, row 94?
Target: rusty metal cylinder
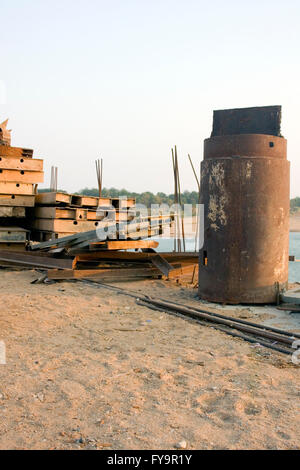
column 245, row 192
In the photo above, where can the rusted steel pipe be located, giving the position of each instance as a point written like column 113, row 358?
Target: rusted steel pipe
column 258, row 331
column 244, row 322
column 245, row 192
column 175, row 308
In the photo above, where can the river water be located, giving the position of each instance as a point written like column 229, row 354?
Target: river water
column 167, row 244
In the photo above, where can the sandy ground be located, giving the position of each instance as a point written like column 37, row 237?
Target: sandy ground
column 88, row 368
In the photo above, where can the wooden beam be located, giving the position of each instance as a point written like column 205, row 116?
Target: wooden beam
column 73, row 213
column 7, row 151
column 54, row 213
column 82, row 214
column 53, row 198
column 12, row 235
column 64, row 225
column 22, row 176
column 90, row 214
column 13, row 246
column 190, row 258
column 16, row 188
column 125, row 244
column 119, row 274
column 17, row 200
column 8, row 211
column 89, row 201
column 104, row 202
column 123, row 203
column 23, row 163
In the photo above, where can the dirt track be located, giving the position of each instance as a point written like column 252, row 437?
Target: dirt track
column 91, row 369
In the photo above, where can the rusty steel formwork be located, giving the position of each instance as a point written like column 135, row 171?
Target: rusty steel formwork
column 5, row 137
column 245, row 192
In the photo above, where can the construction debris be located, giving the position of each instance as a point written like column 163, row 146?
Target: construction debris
column 5, row 137
column 19, row 175
column 258, row 334
column 35, row 261
column 59, row 214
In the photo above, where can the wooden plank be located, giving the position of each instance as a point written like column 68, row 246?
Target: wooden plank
column 123, row 216
column 92, row 215
column 122, row 274
column 13, row 246
column 16, row 188
column 114, row 215
column 123, row 245
column 81, row 214
column 64, row 225
column 189, row 258
column 7, row 211
column 7, row 151
column 123, row 203
column 104, row 202
column 17, row 200
column 130, row 244
column 54, row 213
column 12, row 235
column 53, row 198
column 89, row 201
column 22, row 163
column 48, row 212
column 22, row 176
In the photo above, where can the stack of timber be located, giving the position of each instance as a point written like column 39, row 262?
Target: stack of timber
column 124, row 266
column 112, row 265
column 19, row 175
column 113, row 262
column 58, row 215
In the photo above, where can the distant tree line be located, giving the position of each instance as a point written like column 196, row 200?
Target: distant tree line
column 147, row 198
column 295, row 204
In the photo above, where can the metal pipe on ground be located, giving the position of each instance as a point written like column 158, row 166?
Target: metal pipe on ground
column 259, row 331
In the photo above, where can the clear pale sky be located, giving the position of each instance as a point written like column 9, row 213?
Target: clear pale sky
column 125, row 80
